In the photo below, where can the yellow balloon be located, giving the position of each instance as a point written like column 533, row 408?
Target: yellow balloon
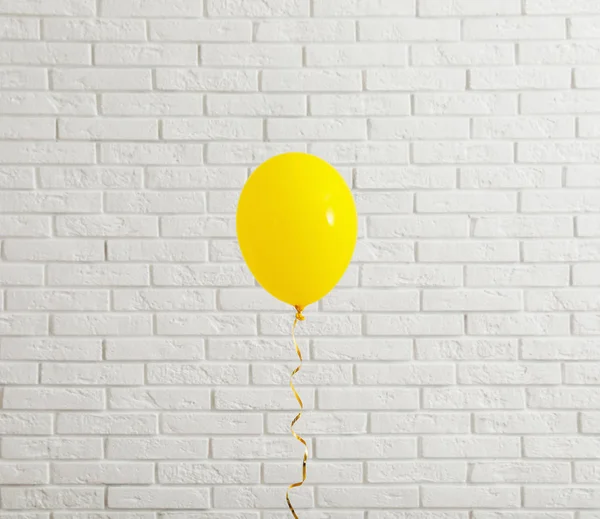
column 297, row 227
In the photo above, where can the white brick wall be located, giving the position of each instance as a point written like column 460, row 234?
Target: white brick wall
column 454, row 372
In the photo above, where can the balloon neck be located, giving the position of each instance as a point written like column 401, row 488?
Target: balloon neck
column 299, row 314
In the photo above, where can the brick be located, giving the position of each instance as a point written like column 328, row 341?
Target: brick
column 162, row 498
column 480, row 497
column 362, row 8
column 250, row 55
column 106, row 423
column 93, row 177
column 521, row 472
column 53, row 398
column 214, row 473
column 501, row 177
column 151, row 104
column 374, row 497
column 52, row 448
column 345, row 104
column 89, row 79
column 256, row 104
column 372, row 447
column 93, row 30
column 440, row 152
column 98, row 275
column 467, row 349
column 416, row 29
column 416, row 472
column 520, row 77
column 52, row 498
column 44, row 53
column 462, row 54
column 207, row 423
column 195, row 30
column 476, row 447
column 204, row 79
column 38, row 300
column 514, row 28
column 473, row 398
column 156, row 448
column 158, row 398
column 468, row 7
column 356, row 55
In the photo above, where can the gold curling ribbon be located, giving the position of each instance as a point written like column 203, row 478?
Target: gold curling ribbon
column 299, row 317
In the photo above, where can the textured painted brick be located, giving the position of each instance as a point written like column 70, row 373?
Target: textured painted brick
column 103, row 423
column 362, row 8
column 501, row 177
column 462, row 54
column 52, row 448
column 43, row 53
column 93, row 30
column 255, row 448
column 509, row 374
column 523, row 28
column 522, row 226
column 323, row 472
column 471, row 300
column 159, row 398
column 471, row 104
column 315, row 374
column 405, row 177
column 480, row 497
column 449, row 152
column 520, row 77
column 41, row 152
column 518, row 324
column 200, row 30
column 90, row 177
column 104, row 79
column 110, row 226
column 23, row 473
column 421, row 79
column 525, row 422
column 372, row 447
column 473, row 398
column 223, row 423
column 559, row 53
column 517, row 275
column 412, row 275
column 521, row 472
column 150, row 54
column 53, row 398
column 107, row 129
column 156, row 448
column 203, row 473
column 97, row 274
column 357, row 54
column 474, row 251
column 465, row 447
column 468, row 7
column 466, row 349
column 412, row 30
column 162, row 498
column 52, row 498
column 54, row 348
column 151, row 104
column 15, row 423
column 375, row 497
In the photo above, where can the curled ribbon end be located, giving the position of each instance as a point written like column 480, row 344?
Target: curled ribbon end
column 299, row 317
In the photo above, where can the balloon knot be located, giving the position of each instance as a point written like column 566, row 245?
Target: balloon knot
column 299, row 314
